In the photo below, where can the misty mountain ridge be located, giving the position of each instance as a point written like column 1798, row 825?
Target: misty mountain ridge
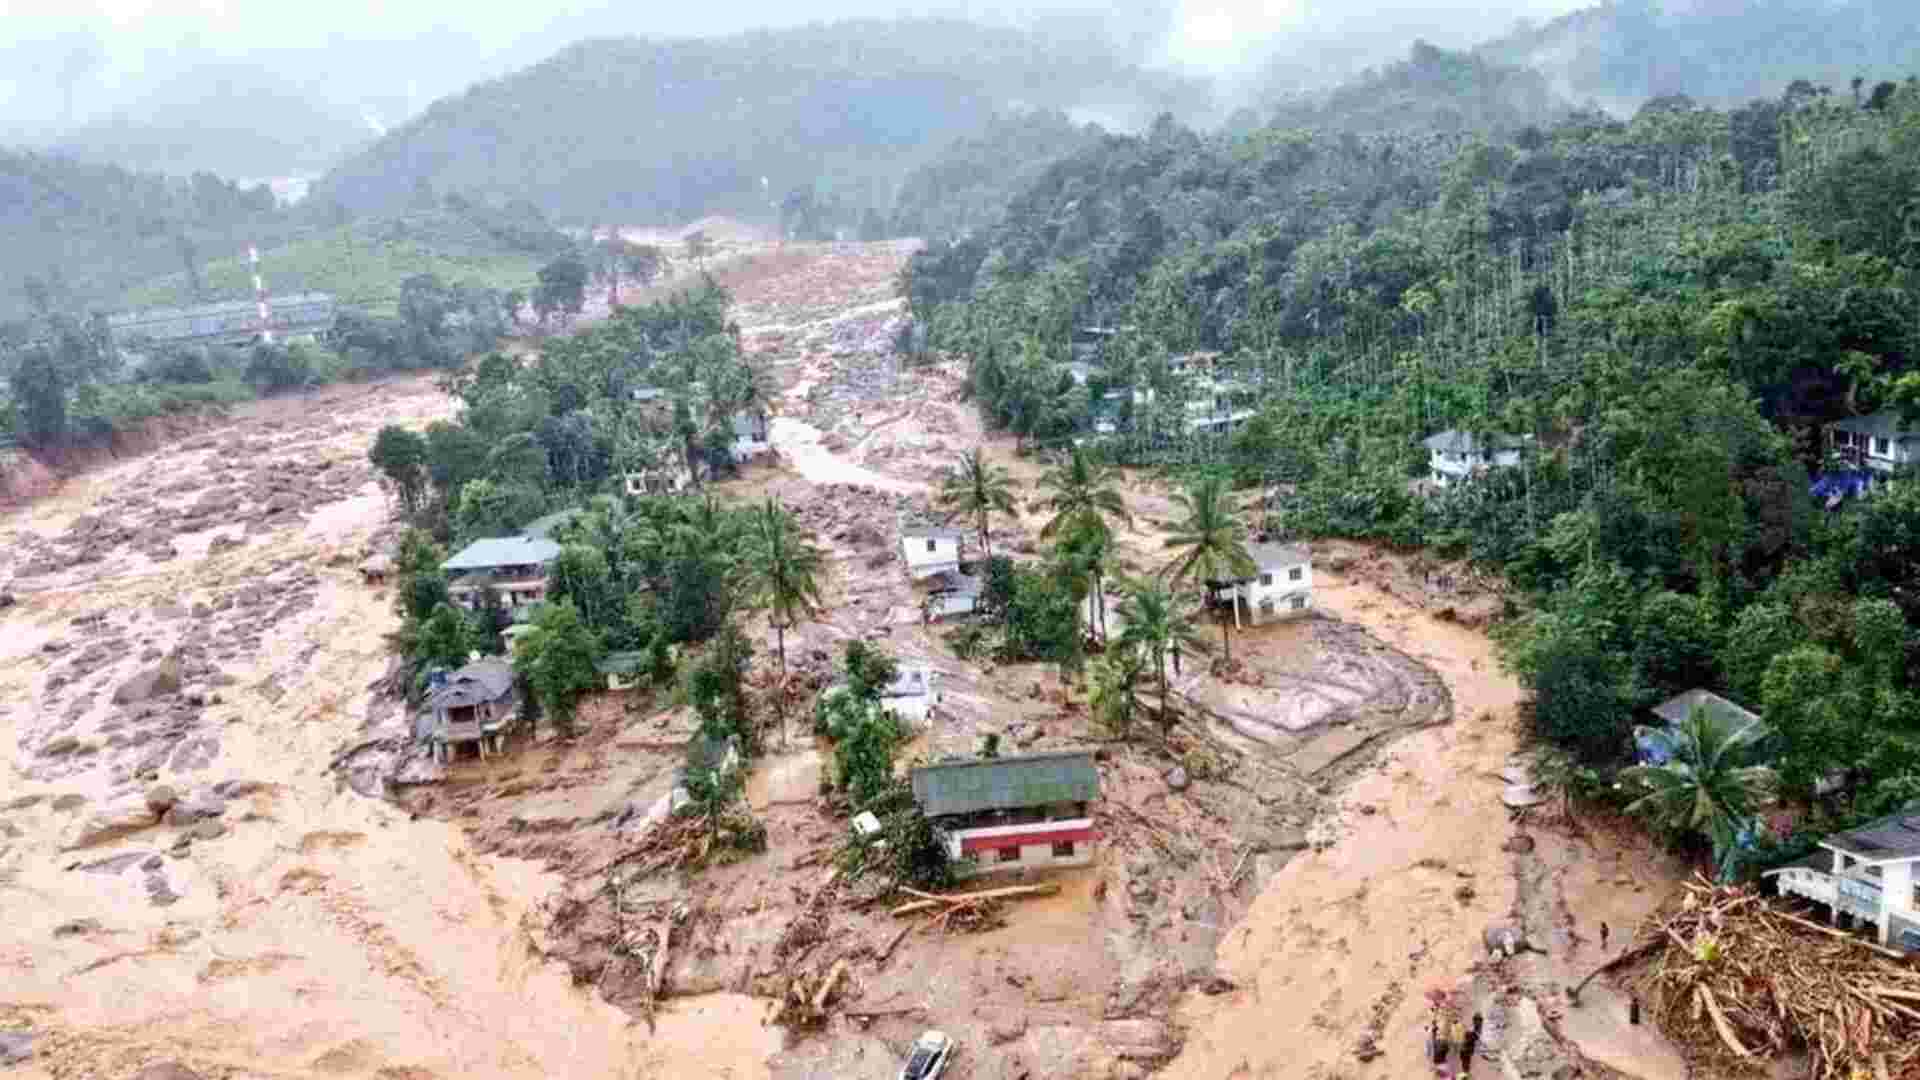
column 234, row 119
column 655, row 129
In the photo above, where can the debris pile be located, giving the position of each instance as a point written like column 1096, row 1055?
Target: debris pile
column 1738, row 977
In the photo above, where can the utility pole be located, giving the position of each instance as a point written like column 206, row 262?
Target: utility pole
column 260, row 295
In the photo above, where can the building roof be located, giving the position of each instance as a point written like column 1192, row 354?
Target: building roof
column 1896, row 836
column 1677, row 708
column 1080, row 371
column 1885, row 424
column 910, row 682
column 1006, row 783
column 648, row 393
column 931, row 532
column 955, row 581
column 1455, row 441
column 479, row 682
column 621, row 663
column 541, row 528
column 226, row 318
column 1271, row 555
column 503, row 551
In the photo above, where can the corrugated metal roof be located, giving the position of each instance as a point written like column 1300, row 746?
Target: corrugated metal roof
column 541, row 528
column 621, row 663
column 1896, row 836
column 503, row 551
column 1269, row 556
column 1007, row 783
column 1453, row 441
column 910, row 682
column 479, row 682
column 931, row 532
column 1677, row 708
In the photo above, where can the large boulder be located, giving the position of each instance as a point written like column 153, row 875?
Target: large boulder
column 202, row 805
column 1138, row 1040
column 119, row 818
column 158, row 681
column 160, row 798
column 15, row 1047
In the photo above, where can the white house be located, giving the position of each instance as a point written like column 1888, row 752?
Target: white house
column 750, row 435
column 1010, row 813
column 1281, row 588
column 1453, row 456
column 953, row 593
column 930, row 551
column 911, row 697
column 1881, row 442
column 1866, row 878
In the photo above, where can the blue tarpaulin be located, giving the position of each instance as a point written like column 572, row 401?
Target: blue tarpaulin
column 1841, row 483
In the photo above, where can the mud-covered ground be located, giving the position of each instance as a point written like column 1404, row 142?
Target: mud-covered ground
column 208, row 871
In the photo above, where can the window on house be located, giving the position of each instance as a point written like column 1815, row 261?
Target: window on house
column 1063, row 850
column 1299, row 603
column 932, row 543
column 1294, row 574
column 1008, row 854
column 1879, row 447
column 1266, row 579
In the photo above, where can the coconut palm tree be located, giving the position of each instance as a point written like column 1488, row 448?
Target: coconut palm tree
column 1709, row 785
column 782, row 570
column 1111, row 698
column 1157, row 625
column 1086, row 498
column 1211, row 544
column 978, row 488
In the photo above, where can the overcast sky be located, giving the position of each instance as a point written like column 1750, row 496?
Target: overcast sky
column 358, row 51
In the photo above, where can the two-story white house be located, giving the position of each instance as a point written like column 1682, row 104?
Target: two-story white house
column 930, row 550
column 1881, row 441
column 1866, row 878
column 513, row 567
column 751, row 435
column 1281, row 587
column 1454, row 456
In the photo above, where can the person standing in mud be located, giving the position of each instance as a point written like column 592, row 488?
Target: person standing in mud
column 1457, row 1037
column 1469, row 1044
column 1437, row 1041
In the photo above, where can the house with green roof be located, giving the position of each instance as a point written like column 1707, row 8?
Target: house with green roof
column 1009, row 813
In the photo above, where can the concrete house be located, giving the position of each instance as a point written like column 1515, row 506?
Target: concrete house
column 622, row 670
column 1280, row 588
column 1454, row 456
column 1006, row 813
column 474, row 705
column 911, row 697
column 1881, row 442
column 1865, row 877
column 751, row 435
column 953, row 593
column 514, row 567
column 930, row 551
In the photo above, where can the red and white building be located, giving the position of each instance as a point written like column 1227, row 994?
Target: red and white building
column 1006, row 813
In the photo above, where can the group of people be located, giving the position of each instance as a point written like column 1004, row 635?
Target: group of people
column 1443, row 1041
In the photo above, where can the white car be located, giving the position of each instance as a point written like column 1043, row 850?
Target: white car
column 929, row 1057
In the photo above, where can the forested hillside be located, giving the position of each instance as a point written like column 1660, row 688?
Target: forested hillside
column 666, row 130
column 1621, row 53
column 973, row 179
column 1433, row 90
column 1668, row 310
column 81, row 234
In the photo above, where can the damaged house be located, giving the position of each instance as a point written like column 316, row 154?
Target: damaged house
column 473, row 705
column 1006, row 813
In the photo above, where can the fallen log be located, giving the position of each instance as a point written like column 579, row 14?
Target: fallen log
column 834, row 975
column 881, row 957
column 933, row 902
column 1720, row 1022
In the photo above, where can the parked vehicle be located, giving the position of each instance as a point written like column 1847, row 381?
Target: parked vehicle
column 929, row 1058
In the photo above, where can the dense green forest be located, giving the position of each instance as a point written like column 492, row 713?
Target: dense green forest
column 76, row 234
column 666, row 130
column 1433, row 90
column 973, row 178
column 1672, row 308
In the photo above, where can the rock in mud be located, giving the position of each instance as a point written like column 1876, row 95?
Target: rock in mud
column 65, row 744
column 166, row 1070
column 157, row 681
column 159, row 892
column 1006, row 1029
column 1137, row 1040
column 123, row 817
column 199, row 806
column 1518, row 845
column 209, row 830
column 15, row 1046
column 1177, row 779
column 160, row 799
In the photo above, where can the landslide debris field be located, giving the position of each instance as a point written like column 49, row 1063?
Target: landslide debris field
column 211, row 853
